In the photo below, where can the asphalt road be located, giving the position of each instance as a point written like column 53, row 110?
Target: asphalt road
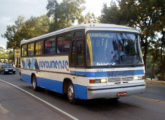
column 17, row 105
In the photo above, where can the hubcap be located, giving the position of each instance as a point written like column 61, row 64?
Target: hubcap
column 34, row 83
column 70, row 92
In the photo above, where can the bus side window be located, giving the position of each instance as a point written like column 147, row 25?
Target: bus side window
column 49, row 46
column 39, row 48
column 31, row 49
column 74, row 54
column 24, row 50
column 63, row 43
column 78, row 50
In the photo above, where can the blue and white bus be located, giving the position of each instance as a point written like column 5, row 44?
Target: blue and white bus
column 85, row 61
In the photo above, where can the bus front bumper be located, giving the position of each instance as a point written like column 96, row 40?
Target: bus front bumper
column 115, row 91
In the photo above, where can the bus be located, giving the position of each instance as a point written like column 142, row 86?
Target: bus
column 85, row 62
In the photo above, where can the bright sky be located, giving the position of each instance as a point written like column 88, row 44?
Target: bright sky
column 11, row 9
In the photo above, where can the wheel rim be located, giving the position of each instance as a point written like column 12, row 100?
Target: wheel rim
column 34, row 83
column 70, row 93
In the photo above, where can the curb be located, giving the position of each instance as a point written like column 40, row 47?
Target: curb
column 155, row 82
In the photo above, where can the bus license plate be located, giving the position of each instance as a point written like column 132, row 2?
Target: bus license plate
column 121, row 94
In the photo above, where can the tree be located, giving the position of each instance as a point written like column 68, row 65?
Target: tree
column 89, row 18
column 110, row 14
column 22, row 29
column 33, row 27
column 11, row 31
column 3, row 54
column 65, row 13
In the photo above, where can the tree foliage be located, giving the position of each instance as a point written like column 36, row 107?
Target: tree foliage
column 25, row 29
column 3, row 53
column 11, row 31
column 64, row 13
column 89, row 18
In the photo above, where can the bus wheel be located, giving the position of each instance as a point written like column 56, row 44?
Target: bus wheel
column 20, row 76
column 70, row 93
column 34, row 83
column 115, row 100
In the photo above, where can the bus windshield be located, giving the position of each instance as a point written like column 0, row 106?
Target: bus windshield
column 106, row 48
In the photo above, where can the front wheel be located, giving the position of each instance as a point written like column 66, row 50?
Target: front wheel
column 34, row 83
column 70, row 93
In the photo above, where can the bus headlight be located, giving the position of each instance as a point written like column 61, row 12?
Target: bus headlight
column 104, row 80
column 92, row 81
column 137, row 78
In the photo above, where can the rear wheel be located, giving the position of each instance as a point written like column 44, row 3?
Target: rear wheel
column 4, row 72
column 114, row 100
column 34, row 83
column 20, row 76
column 70, row 93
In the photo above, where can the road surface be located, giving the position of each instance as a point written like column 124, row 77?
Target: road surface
column 18, row 105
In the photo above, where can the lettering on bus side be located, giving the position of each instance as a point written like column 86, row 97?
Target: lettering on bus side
column 44, row 64
column 56, row 64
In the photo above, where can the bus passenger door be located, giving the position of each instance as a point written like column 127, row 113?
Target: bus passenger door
column 78, row 50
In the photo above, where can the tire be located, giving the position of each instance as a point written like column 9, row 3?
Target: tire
column 20, row 76
column 14, row 72
column 70, row 93
column 34, row 83
column 114, row 99
column 4, row 72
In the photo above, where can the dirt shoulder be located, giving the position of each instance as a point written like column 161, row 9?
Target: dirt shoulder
column 155, row 82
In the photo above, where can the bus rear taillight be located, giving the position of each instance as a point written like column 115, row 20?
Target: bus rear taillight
column 143, row 77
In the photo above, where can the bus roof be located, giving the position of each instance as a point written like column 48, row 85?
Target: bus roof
column 106, row 27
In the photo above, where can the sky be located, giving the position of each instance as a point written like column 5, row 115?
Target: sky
column 11, row 9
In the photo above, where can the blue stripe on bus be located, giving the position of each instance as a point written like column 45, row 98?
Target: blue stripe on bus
column 26, row 78
column 57, row 86
column 109, row 73
column 53, row 85
column 80, row 92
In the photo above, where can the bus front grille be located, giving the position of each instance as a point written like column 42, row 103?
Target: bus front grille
column 120, row 79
